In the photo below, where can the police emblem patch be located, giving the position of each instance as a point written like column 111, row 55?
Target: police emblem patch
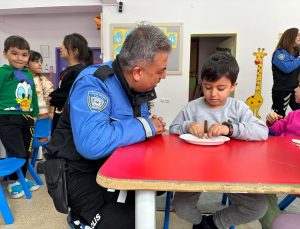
column 281, row 56
column 96, row 101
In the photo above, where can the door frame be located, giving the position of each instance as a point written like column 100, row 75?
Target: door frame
column 225, row 36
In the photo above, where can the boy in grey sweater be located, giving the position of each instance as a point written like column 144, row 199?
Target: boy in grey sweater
column 228, row 117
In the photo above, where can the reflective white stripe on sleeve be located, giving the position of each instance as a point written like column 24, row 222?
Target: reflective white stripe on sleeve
column 146, row 126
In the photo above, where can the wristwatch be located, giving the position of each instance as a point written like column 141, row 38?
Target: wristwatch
column 230, row 127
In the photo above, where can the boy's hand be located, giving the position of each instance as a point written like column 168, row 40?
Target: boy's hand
column 159, row 124
column 217, row 129
column 196, row 129
column 272, row 117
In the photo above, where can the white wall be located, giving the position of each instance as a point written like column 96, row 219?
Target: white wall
column 257, row 24
column 49, row 29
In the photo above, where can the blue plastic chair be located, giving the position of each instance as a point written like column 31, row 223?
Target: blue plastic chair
column 7, row 167
column 286, row 201
column 42, row 129
column 224, row 199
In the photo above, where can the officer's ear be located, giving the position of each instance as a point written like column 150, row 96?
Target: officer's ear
column 137, row 73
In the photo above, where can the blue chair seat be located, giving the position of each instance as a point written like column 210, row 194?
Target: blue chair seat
column 7, row 167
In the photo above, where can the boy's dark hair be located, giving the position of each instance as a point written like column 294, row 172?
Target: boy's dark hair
column 77, row 41
column 33, row 56
column 16, row 41
column 219, row 65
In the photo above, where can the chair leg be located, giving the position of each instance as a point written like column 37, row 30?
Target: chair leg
column 224, row 199
column 4, row 208
column 34, row 156
column 34, row 174
column 24, row 184
column 167, row 210
column 286, row 202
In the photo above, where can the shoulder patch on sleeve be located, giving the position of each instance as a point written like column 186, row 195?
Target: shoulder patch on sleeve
column 281, row 56
column 96, row 101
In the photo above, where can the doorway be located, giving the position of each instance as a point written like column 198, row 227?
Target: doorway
column 202, row 46
column 61, row 64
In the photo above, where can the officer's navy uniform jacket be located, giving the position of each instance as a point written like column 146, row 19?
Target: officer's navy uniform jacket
column 285, row 67
column 286, row 70
column 102, row 113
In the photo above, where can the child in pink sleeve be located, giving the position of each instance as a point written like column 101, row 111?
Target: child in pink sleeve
column 279, row 126
column 288, row 126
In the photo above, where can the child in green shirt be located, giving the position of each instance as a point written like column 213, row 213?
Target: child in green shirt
column 18, row 106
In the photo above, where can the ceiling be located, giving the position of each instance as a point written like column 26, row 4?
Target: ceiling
column 54, row 9
column 89, row 8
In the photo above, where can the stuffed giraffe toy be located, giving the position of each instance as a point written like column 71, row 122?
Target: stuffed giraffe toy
column 255, row 101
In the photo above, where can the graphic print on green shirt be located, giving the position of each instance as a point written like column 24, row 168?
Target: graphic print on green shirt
column 17, row 92
column 23, row 91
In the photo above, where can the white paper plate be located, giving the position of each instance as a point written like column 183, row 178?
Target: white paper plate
column 297, row 141
column 204, row 141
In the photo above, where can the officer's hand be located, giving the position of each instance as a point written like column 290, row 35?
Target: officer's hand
column 159, row 124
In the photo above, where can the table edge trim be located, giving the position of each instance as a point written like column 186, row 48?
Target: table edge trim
column 191, row 186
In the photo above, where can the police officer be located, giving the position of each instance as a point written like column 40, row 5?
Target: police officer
column 107, row 108
column 286, row 71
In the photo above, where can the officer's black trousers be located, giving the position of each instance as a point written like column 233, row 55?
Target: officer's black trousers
column 283, row 99
column 97, row 206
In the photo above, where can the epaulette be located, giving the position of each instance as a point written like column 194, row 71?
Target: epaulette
column 103, row 72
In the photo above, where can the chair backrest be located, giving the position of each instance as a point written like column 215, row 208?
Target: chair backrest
column 42, row 127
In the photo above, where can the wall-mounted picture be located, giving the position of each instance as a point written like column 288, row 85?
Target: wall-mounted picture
column 173, row 31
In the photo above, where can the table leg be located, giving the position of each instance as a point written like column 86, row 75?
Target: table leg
column 145, row 210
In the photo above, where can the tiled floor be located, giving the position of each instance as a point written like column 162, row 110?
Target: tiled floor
column 39, row 212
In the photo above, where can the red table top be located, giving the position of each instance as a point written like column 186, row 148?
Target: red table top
column 169, row 163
